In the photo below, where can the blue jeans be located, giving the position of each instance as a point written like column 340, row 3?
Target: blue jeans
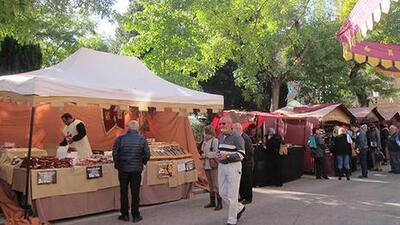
column 343, row 161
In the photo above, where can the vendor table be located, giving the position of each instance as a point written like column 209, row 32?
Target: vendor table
column 293, row 166
column 6, row 156
column 74, row 194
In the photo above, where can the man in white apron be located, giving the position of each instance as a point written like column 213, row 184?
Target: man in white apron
column 75, row 136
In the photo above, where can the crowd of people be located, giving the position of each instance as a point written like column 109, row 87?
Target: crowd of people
column 228, row 163
column 229, row 160
column 367, row 145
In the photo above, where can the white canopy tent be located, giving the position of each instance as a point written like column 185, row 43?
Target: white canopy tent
column 93, row 77
column 103, row 79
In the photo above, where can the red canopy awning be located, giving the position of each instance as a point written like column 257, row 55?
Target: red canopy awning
column 384, row 57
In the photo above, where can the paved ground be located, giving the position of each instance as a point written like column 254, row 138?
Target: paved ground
column 373, row 201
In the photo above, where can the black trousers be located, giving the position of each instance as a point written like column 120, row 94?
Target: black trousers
column 370, row 163
column 133, row 179
column 320, row 168
column 277, row 164
column 364, row 161
column 246, row 184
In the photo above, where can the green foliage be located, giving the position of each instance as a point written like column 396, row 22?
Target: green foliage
column 22, row 19
column 324, row 74
column 60, row 36
column 190, row 41
column 168, row 41
column 197, row 126
column 344, row 8
column 59, row 26
column 187, row 41
column 388, row 29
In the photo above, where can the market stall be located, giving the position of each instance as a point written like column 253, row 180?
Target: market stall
column 10, row 156
column 92, row 186
column 391, row 117
column 325, row 116
column 105, row 91
column 367, row 115
column 292, row 130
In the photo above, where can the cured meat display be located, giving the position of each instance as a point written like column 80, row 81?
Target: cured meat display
column 47, row 162
column 95, row 160
column 162, row 149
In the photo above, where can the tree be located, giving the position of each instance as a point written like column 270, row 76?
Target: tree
column 16, row 58
column 122, row 35
column 22, row 19
column 58, row 26
column 364, row 79
column 187, row 41
column 270, row 43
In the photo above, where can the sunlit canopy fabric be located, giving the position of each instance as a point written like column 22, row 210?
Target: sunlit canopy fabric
column 96, row 77
column 366, row 114
column 361, row 19
column 321, row 112
column 391, row 116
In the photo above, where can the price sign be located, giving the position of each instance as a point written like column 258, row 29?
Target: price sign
column 94, row 172
column 189, row 166
column 47, row 177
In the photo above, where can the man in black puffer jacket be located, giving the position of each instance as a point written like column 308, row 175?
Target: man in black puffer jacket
column 130, row 153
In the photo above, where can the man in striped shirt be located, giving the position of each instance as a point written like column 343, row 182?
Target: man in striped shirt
column 231, row 152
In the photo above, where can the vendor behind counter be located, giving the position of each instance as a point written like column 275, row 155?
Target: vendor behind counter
column 75, row 136
column 292, row 165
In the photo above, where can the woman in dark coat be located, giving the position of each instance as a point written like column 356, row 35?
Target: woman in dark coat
column 273, row 144
column 342, row 150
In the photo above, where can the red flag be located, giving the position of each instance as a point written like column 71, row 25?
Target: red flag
column 113, row 117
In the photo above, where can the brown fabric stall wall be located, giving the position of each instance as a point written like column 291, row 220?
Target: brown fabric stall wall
column 164, row 126
column 294, row 131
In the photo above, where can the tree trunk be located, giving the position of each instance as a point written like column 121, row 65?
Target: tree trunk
column 361, row 93
column 362, row 98
column 283, row 95
column 276, row 88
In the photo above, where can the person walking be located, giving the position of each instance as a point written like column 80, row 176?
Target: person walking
column 317, row 145
column 130, row 153
column 231, row 153
column 246, row 180
column 274, row 142
column 209, row 150
column 362, row 148
column 342, row 149
column 394, row 149
column 385, row 133
column 251, row 131
column 375, row 146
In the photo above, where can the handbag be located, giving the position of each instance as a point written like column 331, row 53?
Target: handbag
column 213, row 162
column 283, row 150
column 354, row 152
column 379, row 157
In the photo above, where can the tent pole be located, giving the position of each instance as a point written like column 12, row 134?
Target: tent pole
column 28, row 167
